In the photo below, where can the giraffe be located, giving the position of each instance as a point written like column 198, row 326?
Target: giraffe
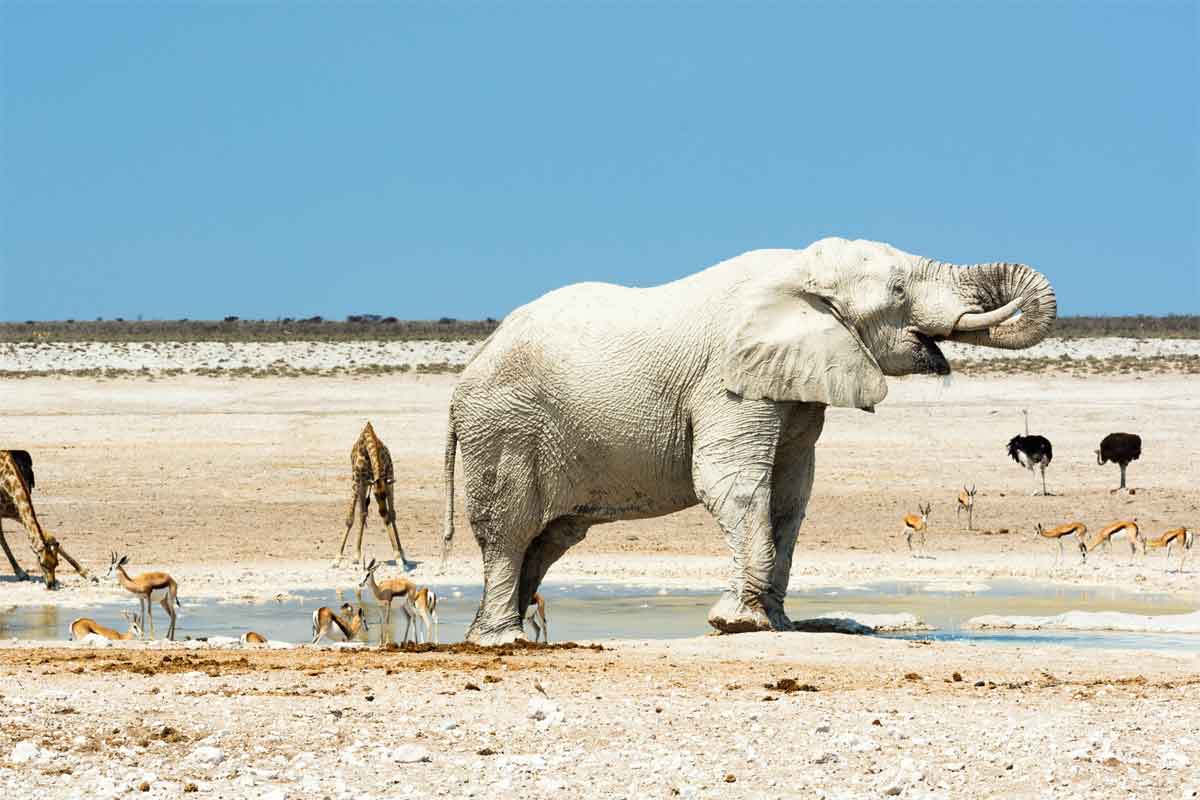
column 371, row 469
column 16, row 480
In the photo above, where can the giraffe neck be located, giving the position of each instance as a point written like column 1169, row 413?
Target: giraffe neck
column 372, row 445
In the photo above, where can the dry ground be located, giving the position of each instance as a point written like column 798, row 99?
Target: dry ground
column 215, row 479
column 692, row 718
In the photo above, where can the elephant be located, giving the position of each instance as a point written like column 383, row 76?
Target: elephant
column 597, row 403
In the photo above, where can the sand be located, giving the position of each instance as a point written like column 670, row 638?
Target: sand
column 240, row 488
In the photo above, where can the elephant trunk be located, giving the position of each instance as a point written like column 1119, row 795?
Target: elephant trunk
column 1001, row 291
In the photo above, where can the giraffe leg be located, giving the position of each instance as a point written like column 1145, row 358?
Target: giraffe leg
column 364, row 507
column 390, row 516
column 337, row 562
column 21, row 574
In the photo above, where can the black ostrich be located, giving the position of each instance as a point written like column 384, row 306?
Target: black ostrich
column 1032, row 451
column 1120, row 448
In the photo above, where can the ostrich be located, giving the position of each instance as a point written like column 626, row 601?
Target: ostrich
column 1120, row 448
column 1032, row 451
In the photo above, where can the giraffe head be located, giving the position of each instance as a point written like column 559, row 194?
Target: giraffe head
column 48, row 560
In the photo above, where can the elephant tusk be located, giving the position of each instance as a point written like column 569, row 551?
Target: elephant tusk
column 989, row 319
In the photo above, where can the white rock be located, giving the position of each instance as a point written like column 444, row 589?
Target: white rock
column 1173, row 759
column 448, row 725
column 410, row 754
column 207, row 754
column 23, row 752
column 274, row 793
column 855, row 743
column 545, row 711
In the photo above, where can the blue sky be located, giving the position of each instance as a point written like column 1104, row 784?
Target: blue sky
column 204, row 159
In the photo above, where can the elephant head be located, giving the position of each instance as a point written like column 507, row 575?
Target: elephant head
column 827, row 323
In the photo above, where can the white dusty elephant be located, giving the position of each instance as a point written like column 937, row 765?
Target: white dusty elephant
column 598, row 403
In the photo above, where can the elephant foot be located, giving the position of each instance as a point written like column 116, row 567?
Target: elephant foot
column 779, row 620
column 489, row 638
column 731, row 615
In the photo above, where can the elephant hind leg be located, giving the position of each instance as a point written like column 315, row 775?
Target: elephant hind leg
column 549, row 546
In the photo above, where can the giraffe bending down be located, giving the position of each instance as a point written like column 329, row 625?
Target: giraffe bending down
column 371, row 470
column 16, row 481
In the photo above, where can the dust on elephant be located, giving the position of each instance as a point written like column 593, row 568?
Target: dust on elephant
column 598, row 403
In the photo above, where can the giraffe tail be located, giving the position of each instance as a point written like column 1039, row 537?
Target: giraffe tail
column 448, row 526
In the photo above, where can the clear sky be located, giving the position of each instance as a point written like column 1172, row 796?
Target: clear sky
column 212, row 158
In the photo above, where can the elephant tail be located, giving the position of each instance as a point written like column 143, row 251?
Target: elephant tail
column 448, row 528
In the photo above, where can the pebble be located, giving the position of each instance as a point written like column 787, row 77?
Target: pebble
column 23, row 752
column 410, row 754
column 207, row 754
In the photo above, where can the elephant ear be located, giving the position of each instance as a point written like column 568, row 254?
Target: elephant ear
column 787, row 344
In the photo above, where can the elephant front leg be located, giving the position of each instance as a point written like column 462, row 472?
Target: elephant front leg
column 739, row 497
column 791, row 488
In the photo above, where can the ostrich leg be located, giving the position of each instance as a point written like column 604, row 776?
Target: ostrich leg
column 1123, row 466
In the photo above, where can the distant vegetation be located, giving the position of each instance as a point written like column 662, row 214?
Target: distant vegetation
column 1172, row 326
column 357, row 327
column 372, row 327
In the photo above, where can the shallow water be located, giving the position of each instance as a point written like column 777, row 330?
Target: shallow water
column 588, row 612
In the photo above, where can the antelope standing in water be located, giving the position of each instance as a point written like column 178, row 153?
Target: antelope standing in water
column 1125, row 530
column 535, row 615
column 1076, row 530
column 332, row 626
column 1176, row 536
column 149, row 587
column 387, row 591
column 914, row 523
column 85, row 626
column 421, row 607
column 966, row 502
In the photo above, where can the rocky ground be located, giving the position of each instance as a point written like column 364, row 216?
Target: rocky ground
column 240, row 488
column 762, row 715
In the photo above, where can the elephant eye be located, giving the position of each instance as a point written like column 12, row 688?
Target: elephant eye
column 898, row 289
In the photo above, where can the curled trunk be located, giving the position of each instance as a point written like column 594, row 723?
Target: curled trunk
column 999, row 291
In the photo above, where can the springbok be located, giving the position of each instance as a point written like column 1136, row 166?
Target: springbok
column 914, row 523
column 535, row 615
column 149, row 586
column 253, row 637
column 387, row 591
column 85, row 626
column 327, row 624
column 1063, row 532
column 1126, row 529
column 966, row 502
column 1176, row 536
column 420, row 605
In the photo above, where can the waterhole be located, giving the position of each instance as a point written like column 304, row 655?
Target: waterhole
column 592, row 612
